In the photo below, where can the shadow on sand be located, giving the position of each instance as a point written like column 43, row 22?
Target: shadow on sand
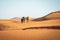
column 45, row 27
column 2, row 27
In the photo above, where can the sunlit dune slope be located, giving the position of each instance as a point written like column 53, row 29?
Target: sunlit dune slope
column 52, row 15
column 13, row 30
column 16, row 24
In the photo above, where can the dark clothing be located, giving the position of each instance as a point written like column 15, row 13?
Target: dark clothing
column 22, row 19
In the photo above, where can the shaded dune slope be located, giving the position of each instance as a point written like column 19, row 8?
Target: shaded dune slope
column 43, row 27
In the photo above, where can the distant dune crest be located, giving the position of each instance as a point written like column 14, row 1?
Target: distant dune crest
column 16, row 18
column 53, row 15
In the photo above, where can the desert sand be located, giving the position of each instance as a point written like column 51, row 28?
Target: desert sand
column 13, row 30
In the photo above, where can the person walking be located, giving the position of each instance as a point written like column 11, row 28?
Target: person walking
column 27, row 19
column 22, row 19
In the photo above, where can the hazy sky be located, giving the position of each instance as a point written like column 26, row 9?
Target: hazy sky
column 32, row 8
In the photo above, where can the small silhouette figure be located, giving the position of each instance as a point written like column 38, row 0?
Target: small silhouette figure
column 22, row 19
column 27, row 19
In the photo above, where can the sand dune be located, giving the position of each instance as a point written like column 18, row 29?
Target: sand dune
column 53, row 15
column 16, row 24
column 43, row 30
column 13, row 30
